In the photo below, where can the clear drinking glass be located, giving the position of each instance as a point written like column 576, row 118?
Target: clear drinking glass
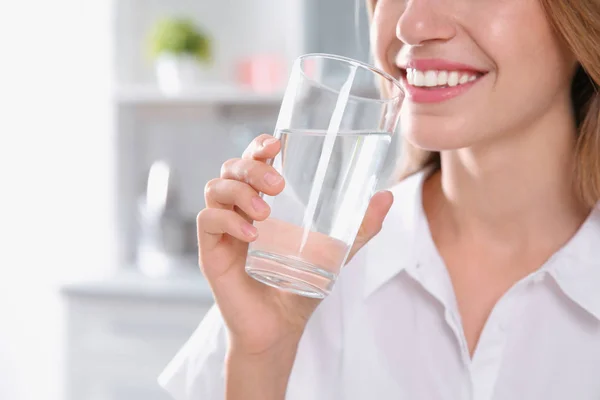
column 335, row 125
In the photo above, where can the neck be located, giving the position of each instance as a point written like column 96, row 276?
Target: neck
column 512, row 190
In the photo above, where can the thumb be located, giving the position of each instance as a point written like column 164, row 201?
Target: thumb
column 380, row 204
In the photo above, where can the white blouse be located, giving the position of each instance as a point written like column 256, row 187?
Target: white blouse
column 391, row 329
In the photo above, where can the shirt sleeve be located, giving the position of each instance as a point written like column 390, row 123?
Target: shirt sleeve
column 197, row 370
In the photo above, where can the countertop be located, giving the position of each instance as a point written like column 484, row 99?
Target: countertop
column 187, row 284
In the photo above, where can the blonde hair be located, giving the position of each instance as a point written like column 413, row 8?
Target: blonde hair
column 578, row 23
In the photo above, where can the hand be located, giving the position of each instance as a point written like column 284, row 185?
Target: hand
column 259, row 318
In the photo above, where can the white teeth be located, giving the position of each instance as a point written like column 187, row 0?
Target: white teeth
column 442, row 78
column 432, row 78
column 418, row 78
column 453, row 79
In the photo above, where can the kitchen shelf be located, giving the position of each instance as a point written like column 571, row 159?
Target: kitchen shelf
column 213, row 94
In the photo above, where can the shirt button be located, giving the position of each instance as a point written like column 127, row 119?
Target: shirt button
column 539, row 278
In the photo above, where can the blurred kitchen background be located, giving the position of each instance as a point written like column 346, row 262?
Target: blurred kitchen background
column 113, row 116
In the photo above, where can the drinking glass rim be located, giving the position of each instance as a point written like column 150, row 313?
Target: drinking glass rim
column 360, row 64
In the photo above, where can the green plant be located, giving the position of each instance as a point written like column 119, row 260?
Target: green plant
column 180, row 36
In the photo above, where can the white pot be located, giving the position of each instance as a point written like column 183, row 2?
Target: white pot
column 177, row 73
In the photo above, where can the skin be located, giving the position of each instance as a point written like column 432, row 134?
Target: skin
column 502, row 206
column 503, row 202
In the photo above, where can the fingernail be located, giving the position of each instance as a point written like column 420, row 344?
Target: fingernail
column 249, row 230
column 269, row 142
column 259, row 204
column 273, row 179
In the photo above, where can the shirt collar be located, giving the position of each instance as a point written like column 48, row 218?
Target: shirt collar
column 396, row 246
column 576, row 267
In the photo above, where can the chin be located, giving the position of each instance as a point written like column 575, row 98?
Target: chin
column 435, row 133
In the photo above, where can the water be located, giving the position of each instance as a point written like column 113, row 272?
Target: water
column 313, row 222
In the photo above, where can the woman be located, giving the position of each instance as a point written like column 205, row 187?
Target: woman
column 482, row 283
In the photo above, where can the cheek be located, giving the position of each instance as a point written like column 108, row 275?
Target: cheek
column 524, row 46
column 529, row 49
column 532, row 66
column 383, row 35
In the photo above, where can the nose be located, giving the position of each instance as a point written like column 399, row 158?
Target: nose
column 424, row 21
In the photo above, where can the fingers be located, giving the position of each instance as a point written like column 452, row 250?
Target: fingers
column 225, row 193
column 213, row 223
column 262, row 148
column 232, row 200
column 262, row 177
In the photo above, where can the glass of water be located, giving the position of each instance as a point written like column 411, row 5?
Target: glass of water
column 335, row 125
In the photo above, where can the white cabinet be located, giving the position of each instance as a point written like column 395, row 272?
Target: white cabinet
column 121, row 332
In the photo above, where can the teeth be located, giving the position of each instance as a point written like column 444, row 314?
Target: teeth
column 453, row 79
column 419, row 78
column 433, row 78
column 442, row 78
column 430, row 79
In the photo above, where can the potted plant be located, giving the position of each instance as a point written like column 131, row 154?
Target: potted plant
column 181, row 50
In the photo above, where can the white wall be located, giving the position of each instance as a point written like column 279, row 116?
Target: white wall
column 238, row 28
column 55, row 172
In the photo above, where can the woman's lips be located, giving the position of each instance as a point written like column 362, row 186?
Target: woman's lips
column 434, row 80
column 436, row 94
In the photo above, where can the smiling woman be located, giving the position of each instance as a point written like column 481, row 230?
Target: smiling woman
column 575, row 39
column 480, row 280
